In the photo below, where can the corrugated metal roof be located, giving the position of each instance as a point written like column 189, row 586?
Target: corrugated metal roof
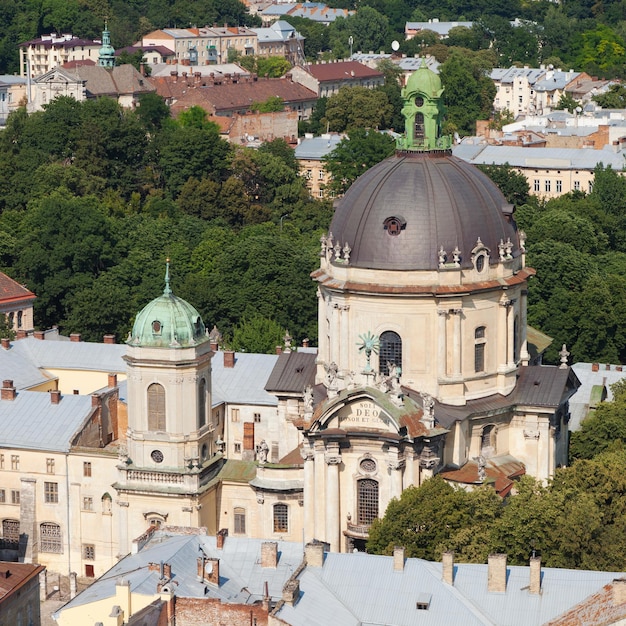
column 292, row 373
column 16, row 366
column 32, row 422
column 244, row 383
column 241, row 576
column 355, row 589
column 317, row 147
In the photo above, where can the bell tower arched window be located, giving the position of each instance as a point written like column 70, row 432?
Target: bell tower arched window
column 488, row 441
column 156, row 407
column 390, row 351
column 419, row 127
column 202, row 403
column 480, row 341
column 367, row 500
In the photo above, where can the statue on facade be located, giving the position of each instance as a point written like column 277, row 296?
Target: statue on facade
column 262, row 450
column 307, row 397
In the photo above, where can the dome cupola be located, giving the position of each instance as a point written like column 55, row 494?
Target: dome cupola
column 168, row 322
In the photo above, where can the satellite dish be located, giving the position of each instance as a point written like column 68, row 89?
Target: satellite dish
column 395, row 46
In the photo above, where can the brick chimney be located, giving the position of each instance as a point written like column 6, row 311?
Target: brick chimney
column 6, row 343
column 305, row 343
column 314, row 554
column 109, row 339
column 291, row 591
column 8, row 390
column 112, row 380
column 214, row 346
column 221, row 537
column 210, row 570
column 269, row 554
column 21, row 334
column 619, row 591
column 229, row 358
column 279, row 349
column 496, row 573
column 75, row 337
column 39, row 334
column 595, row 367
column 447, row 567
column 535, row 575
column 55, row 396
column 96, row 400
column 398, row 558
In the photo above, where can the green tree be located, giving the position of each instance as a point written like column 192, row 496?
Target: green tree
column 602, row 52
column 271, row 105
column 358, row 107
column 135, row 59
column 257, row 334
column 153, row 111
column 368, row 28
column 614, row 98
column 272, row 67
column 354, row 155
column 511, row 183
column 567, row 103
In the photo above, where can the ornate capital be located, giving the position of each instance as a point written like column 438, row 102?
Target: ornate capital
column 442, row 312
column 260, row 497
column 122, row 503
column 332, row 459
column 395, row 464
column 307, row 455
column 531, row 434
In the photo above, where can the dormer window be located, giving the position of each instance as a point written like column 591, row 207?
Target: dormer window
column 156, row 327
column 394, row 225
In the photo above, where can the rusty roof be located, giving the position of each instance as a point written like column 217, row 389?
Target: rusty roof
column 292, row 458
column 293, row 372
column 12, row 291
column 13, row 576
column 341, row 70
column 500, row 472
column 226, row 97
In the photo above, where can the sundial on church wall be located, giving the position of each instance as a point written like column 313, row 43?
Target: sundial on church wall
column 362, row 415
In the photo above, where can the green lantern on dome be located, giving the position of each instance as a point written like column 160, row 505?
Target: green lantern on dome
column 423, row 113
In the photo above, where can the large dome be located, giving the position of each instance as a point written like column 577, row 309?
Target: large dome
column 168, row 322
column 403, row 211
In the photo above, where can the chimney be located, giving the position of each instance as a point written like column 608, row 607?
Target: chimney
column 221, row 537
column 109, row 339
column 167, row 570
column 314, row 554
column 229, row 358
column 607, row 367
column 619, row 591
column 618, row 368
column 535, row 575
column 96, row 400
column 398, row 558
column 595, row 367
column 75, row 337
column 112, row 381
column 279, row 349
column 6, row 343
column 496, row 573
column 214, row 346
column 21, row 334
column 8, row 390
column 39, row 334
column 305, row 343
column 210, row 570
column 55, row 396
column 269, row 554
column 447, row 567
column 76, row 392
column 291, row 591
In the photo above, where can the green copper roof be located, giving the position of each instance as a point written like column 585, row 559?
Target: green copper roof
column 106, row 54
column 168, row 322
column 423, row 112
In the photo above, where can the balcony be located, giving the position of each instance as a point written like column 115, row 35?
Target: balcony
column 358, row 531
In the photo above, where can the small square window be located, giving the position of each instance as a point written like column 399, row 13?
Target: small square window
column 3, row 495
column 51, row 493
column 49, row 466
column 89, row 552
column 234, row 415
column 87, row 469
column 15, row 462
column 87, row 503
column 257, row 418
column 237, row 448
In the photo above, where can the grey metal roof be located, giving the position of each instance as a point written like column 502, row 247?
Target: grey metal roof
column 442, row 201
column 408, row 64
column 241, row 576
column 441, row 28
column 540, row 158
column 278, row 31
column 508, row 75
column 83, row 355
column 32, row 422
column 355, row 589
column 293, row 372
column 555, row 79
column 317, row 147
column 244, row 383
column 579, row 402
column 15, row 365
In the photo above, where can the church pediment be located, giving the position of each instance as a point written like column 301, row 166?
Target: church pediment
column 362, row 414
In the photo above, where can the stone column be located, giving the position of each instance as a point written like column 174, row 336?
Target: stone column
column 442, row 346
column 503, row 332
column 510, row 327
column 29, row 531
column 456, row 343
column 335, row 341
column 323, row 329
column 395, row 467
column 524, row 355
column 344, row 347
column 124, row 544
column 320, row 505
column 309, row 495
column 409, row 469
column 333, row 460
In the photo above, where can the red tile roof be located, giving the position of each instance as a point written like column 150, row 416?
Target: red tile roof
column 341, row 70
column 11, row 291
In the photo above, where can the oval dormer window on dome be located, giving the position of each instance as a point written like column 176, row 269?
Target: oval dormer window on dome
column 394, row 225
column 480, row 262
column 156, row 327
column 419, row 101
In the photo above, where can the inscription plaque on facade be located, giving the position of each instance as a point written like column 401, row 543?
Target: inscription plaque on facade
column 363, row 414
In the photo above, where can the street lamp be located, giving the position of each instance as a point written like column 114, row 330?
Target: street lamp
column 282, row 217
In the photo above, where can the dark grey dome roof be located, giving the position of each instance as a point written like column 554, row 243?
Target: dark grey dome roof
column 438, row 199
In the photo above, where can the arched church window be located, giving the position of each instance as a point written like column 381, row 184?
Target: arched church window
column 367, row 500
column 488, row 441
column 480, row 342
column 419, row 126
column 106, row 504
column 281, row 518
column 11, row 320
column 390, row 351
column 202, row 403
column 156, row 407
column 19, row 319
